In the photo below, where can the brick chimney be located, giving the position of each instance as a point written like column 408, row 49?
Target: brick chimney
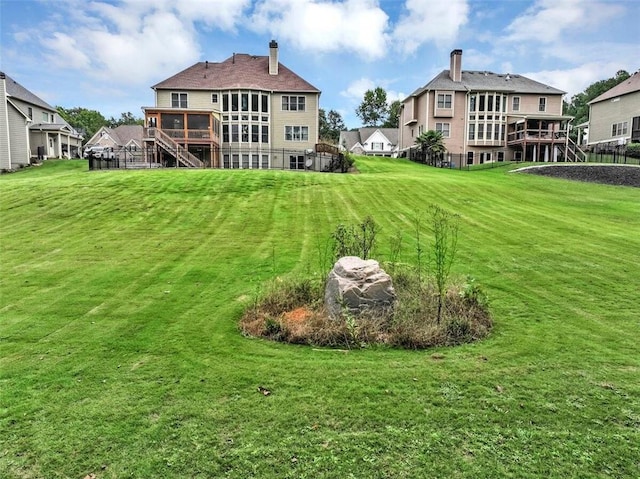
column 273, row 57
column 455, row 67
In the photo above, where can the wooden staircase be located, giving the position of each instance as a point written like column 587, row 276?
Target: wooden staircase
column 175, row 149
column 574, row 153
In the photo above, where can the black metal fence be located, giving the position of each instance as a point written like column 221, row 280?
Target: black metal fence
column 227, row 158
column 456, row 161
column 611, row 154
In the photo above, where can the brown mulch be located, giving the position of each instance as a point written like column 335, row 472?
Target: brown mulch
column 619, row 175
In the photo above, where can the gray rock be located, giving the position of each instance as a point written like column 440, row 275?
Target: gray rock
column 358, row 285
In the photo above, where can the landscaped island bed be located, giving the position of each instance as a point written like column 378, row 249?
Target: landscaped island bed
column 621, row 175
column 121, row 354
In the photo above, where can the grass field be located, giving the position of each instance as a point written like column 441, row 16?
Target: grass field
column 120, row 355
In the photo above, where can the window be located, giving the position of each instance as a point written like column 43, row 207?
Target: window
column 254, row 102
column 618, row 129
column 296, row 133
column 178, row 100
column 377, row 146
column 265, row 134
column 472, row 131
column 254, row 134
column 234, row 133
column 172, row 122
column 296, row 162
column 30, row 113
column 481, row 131
column 214, row 98
column 444, row 100
column 265, row 104
column 489, row 130
column 293, row 103
column 45, row 117
column 225, row 133
column 245, row 133
column 470, row 158
column 444, row 129
column 515, row 105
column 245, row 101
column 234, row 102
column 501, row 156
column 472, row 103
column 225, row 102
column 490, row 103
column 542, row 104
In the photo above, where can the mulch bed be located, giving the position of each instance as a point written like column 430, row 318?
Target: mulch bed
column 620, row 175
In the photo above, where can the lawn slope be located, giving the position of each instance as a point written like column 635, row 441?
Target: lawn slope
column 120, row 354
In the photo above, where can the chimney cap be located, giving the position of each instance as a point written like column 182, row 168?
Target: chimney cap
column 457, row 51
column 273, row 44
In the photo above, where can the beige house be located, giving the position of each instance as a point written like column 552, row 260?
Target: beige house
column 614, row 116
column 123, row 142
column 30, row 128
column 247, row 111
column 486, row 117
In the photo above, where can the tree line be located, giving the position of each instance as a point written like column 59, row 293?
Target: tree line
column 88, row 122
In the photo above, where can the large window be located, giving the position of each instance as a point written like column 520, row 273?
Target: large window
column 296, row 133
column 619, row 129
column 444, row 128
column 472, row 131
column 172, row 122
column 197, row 122
column 444, row 100
column 179, row 100
column 293, row 103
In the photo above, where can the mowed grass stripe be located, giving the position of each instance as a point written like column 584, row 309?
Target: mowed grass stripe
column 166, row 376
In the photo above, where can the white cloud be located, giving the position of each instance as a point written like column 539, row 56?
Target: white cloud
column 427, row 21
column 357, row 88
column 547, row 20
column 576, row 80
column 320, row 26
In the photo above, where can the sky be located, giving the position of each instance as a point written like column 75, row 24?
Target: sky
column 105, row 55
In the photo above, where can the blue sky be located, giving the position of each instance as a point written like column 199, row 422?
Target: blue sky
column 106, row 54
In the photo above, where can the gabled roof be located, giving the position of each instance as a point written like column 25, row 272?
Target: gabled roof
column 488, row 81
column 121, row 135
column 238, row 71
column 15, row 90
column 351, row 138
column 630, row 85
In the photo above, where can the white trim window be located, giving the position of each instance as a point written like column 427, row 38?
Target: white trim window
column 179, row 100
column 296, row 133
column 377, row 146
column 444, row 100
column 542, row 103
column 515, row 103
column 444, row 128
column 293, row 103
column 618, row 129
column 214, row 98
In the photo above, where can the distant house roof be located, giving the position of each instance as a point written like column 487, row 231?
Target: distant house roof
column 349, row 139
column 238, row 71
column 488, row 81
column 630, row 85
column 121, row 135
column 15, row 90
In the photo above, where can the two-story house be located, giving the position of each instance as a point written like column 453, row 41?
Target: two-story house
column 485, row 117
column 31, row 128
column 370, row 141
column 614, row 116
column 247, row 111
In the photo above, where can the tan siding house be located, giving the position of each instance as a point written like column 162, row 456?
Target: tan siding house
column 31, row 128
column 486, row 117
column 245, row 112
column 614, row 116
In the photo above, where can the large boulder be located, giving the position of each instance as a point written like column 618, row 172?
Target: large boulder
column 358, row 285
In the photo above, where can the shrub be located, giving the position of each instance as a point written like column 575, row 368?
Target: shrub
column 633, row 150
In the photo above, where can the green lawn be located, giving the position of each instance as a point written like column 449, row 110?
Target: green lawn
column 120, row 356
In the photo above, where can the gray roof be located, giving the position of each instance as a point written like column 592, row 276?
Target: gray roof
column 349, row 138
column 630, row 85
column 15, row 90
column 488, row 81
column 125, row 133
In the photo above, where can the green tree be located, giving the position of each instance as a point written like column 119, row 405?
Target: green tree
column 374, row 110
column 85, row 121
column 579, row 105
column 331, row 124
column 125, row 119
column 431, row 141
column 393, row 120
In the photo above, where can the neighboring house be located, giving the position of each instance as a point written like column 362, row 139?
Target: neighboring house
column 486, row 117
column 614, row 116
column 124, row 142
column 245, row 112
column 370, row 141
column 31, row 128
